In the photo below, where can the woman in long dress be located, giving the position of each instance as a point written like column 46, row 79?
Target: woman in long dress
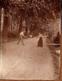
column 40, row 41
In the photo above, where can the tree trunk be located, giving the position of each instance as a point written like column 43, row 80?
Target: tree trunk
column 2, row 18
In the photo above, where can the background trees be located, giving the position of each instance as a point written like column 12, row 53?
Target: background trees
column 36, row 13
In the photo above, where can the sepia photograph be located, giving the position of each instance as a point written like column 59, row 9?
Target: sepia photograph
column 30, row 34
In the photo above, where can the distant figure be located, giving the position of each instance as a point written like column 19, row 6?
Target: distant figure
column 21, row 37
column 40, row 41
column 57, row 39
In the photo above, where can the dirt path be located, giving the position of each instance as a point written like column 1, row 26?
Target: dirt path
column 27, row 62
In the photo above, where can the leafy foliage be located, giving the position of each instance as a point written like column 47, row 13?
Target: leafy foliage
column 33, row 7
column 35, row 12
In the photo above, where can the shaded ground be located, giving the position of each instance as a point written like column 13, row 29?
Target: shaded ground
column 28, row 61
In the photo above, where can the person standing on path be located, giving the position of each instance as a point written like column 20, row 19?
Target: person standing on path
column 21, row 38
column 40, row 41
